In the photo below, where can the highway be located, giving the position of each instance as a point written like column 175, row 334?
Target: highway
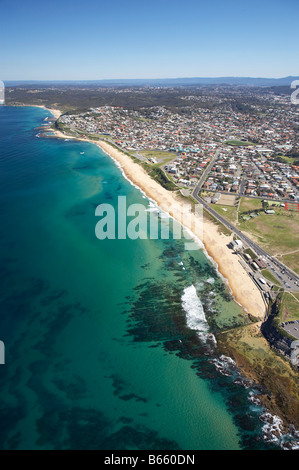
column 285, row 276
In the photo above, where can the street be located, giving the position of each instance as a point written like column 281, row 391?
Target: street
column 286, row 277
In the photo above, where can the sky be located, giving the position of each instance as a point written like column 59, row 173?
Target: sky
column 114, row 39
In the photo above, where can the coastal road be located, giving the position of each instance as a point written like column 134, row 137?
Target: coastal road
column 284, row 275
column 241, row 194
column 207, row 170
column 292, row 327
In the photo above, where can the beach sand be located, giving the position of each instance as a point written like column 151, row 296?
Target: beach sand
column 56, row 113
column 243, row 288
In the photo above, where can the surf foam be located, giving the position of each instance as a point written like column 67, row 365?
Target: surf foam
column 195, row 315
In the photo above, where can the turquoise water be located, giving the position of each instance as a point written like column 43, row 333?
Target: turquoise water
column 109, row 344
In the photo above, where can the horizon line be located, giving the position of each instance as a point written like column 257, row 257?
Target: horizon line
column 147, row 78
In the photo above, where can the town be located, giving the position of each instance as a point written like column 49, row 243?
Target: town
column 252, row 154
column 234, row 151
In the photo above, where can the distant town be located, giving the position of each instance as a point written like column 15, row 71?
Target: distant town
column 232, row 149
column 252, row 149
column 236, row 151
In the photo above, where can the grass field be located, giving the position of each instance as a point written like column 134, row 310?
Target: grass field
column 291, row 260
column 228, row 212
column 161, row 157
column 290, row 307
column 286, row 159
column 227, row 200
column 277, row 233
column 238, row 143
column 249, row 252
column 250, row 204
column 269, row 276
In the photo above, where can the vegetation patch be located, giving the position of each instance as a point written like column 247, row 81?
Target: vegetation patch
column 238, row 143
column 228, row 212
column 268, row 275
column 251, row 253
column 158, row 175
column 161, row 157
column 290, row 307
column 277, row 233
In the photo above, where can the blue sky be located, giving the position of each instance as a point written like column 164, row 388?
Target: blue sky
column 105, row 39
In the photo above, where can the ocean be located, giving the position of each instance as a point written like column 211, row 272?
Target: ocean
column 109, row 344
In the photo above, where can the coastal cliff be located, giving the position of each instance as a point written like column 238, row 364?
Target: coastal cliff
column 275, row 336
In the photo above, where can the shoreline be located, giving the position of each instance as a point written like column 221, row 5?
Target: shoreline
column 242, row 287
column 215, row 244
column 247, row 348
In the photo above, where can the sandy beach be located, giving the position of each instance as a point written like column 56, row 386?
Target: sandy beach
column 243, row 288
column 215, row 243
column 56, row 113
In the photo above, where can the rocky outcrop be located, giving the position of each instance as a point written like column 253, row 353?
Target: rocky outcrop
column 276, row 337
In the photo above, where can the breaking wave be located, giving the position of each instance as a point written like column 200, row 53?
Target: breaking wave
column 195, row 315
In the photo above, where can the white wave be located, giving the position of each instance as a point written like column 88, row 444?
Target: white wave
column 274, row 432
column 182, row 264
column 254, row 399
column 272, row 429
column 195, row 315
column 227, row 360
column 225, row 365
column 188, row 231
column 212, row 339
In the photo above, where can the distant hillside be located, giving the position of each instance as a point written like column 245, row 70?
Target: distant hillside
column 164, row 82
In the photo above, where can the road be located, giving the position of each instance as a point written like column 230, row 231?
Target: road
column 208, row 169
column 286, row 277
column 241, row 194
column 292, row 327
